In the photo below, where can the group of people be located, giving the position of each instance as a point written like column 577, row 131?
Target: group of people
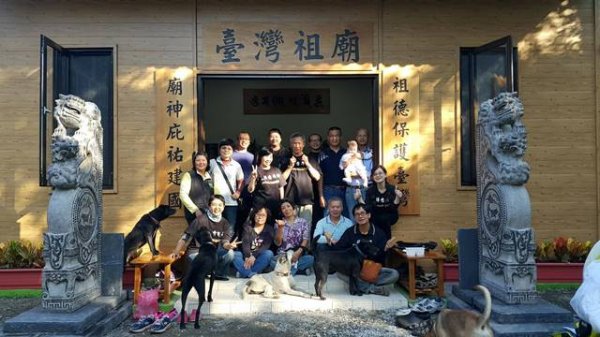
column 259, row 204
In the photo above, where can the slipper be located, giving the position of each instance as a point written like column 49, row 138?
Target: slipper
column 416, row 325
column 403, row 312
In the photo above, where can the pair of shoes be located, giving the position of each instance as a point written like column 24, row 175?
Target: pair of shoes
column 427, row 280
column 221, row 278
column 380, row 290
column 428, row 305
column 162, row 324
column 142, row 324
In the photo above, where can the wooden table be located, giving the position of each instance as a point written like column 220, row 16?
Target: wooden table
column 437, row 257
column 147, row 259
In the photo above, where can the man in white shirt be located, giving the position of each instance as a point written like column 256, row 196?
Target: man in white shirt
column 228, row 179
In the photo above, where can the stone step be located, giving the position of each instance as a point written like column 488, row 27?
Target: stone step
column 540, row 312
column 40, row 322
column 539, row 320
column 111, row 321
column 526, row 330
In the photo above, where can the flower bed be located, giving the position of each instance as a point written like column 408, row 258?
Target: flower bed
column 557, row 261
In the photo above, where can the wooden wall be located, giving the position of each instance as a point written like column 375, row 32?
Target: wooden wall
column 557, row 85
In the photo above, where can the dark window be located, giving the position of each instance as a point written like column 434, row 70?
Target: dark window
column 485, row 72
column 84, row 72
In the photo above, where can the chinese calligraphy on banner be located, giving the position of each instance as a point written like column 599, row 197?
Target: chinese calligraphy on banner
column 400, row 133
column 286, row 101
column 251, row 44
column 174, row 137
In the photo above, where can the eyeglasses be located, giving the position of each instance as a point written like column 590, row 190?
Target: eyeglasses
column 260, row 215
column 360, row 213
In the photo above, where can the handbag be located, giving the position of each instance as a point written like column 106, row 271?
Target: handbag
column 239, row 200
column 370, row 271
column 147, row 303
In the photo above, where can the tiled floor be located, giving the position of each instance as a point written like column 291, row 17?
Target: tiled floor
column 226, row 296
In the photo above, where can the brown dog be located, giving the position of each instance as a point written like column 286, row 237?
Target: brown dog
column 465, row 323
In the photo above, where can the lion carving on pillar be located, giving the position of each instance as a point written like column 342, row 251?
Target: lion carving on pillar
column 507, row 265
column 71, row 276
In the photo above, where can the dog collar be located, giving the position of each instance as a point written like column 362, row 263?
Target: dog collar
column 282, row 274
column 156, row 222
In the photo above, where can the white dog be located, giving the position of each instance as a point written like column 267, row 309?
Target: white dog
column 279, row 281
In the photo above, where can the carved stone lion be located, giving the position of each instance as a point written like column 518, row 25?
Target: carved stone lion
column 505, row 138
column 71, row 276
column 506, row 238
column 77, row 144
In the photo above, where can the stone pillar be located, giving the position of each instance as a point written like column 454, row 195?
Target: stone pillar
column 506, row 262
column 71, row 276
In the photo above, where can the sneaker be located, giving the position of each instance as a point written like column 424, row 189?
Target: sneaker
column 308, row 271
column 162, row 324
column 238, row 275
column 382, row 291
column 142, row 324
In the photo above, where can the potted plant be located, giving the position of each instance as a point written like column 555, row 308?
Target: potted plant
column 21, row 264
column 561, row 260
column 450, row 250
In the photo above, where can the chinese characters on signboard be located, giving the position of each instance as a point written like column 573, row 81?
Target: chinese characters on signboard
column 400, row 133
column 304, row 46
column 254, row 43
column 174, row 133
column 286, row 101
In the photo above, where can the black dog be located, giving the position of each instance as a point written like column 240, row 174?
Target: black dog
column 145, row 230
column 203, row 264
column 348, row 262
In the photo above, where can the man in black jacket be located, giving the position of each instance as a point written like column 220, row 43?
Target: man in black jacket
column 365, row 230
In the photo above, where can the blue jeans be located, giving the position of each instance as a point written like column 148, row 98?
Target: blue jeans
column 335, row 191
column 386, row 276
column 230, row 213
column 262, row 261
column 303, row 263
column 224, row 258
column 351, row 202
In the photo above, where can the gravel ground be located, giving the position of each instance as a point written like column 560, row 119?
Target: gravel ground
column 334, row 323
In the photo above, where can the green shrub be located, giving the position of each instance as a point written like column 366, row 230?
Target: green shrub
column 562, row 249
column 450, row 249
column 21, row 254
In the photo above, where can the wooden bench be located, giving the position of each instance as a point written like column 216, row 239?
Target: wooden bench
column 147, row 259
column 437, row 257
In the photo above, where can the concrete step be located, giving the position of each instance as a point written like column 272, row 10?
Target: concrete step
column 111, row 321
column 509, row 320
column 540, row 312
column 40, row 322
column 526, row 330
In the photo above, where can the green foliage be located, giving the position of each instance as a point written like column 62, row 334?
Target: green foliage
column 562, row 249
column 450, row 249
column 21, row 254
column 544, row 287
column 21, row 293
